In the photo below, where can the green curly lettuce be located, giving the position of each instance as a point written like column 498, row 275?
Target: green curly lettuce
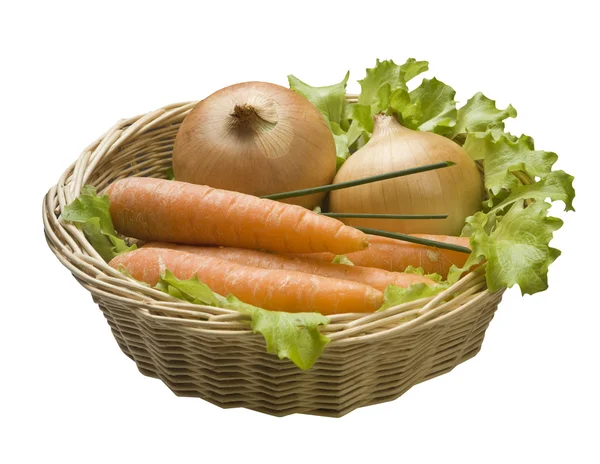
column 435, row 108
column 429, row 107
column 331, row 101
column 480, row 114
column 420, row 271
column 513, row 232
column 515, row 248
column 557, row 185
column 503, row 157
column 342, row 259
column 394, row 296
column 90, row 213
column 387, row 73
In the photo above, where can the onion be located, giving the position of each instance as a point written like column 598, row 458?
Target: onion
column 256, row 138
column 456, row 191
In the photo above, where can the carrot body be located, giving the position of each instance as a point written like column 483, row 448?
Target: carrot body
column 376, row 278
column 396, row 255
column 165, row 210
column 270, row 289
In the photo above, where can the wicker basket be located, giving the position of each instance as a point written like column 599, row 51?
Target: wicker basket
column 211, row 353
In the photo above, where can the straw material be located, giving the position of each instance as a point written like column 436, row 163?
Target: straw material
column 211, row 353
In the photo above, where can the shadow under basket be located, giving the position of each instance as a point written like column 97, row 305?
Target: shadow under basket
column 211, row 353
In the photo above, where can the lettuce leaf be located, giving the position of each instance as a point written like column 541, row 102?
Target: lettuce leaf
column 394, row 295
column 90, row 213
column 288, row 335
column 388, row 73
column 436, row 105
column 342, row 259
column 295, row 336
column 420, row 271
column 408, row 113
column 480, row 114
column 558, row 186
column 363, row 117
column 331, row 101
column 504, row 157
column 516, row 248
column 342, row 144
column 429, row 107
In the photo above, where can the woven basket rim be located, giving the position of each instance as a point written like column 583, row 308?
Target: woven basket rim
column 74, row 251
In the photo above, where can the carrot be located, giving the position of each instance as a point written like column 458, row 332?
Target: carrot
column 269, row 289
column 396, row 255
column 376, row 278
column 165, row 210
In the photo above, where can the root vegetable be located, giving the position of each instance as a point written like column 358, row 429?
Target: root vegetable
column 376, row 278
column 171, row 211
column 269, row 289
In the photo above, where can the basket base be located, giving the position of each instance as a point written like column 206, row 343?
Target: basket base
column 233, row 376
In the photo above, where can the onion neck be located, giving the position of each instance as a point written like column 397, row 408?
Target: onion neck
column 257, row 117
column 384, row 124
column 243, row 114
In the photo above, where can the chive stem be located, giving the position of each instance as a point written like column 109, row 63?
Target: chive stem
column 417, row 240
column 385, row 216
column 353, row 183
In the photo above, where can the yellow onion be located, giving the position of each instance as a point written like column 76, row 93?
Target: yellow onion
column 256, row 138
column 456, row 191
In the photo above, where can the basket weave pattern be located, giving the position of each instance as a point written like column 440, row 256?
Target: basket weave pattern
column 211, row 353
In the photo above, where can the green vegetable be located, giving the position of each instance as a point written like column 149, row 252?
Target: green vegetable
column 394, row 296
column 512, row 238
column 388, row 73
column 342, row 259
column 503, row 157
column 363, row 119
column 420, row 271
column 479, row 114
column 516, row 248
column 558, row 185
column 331, row 102
column 90, row 213
column 288, row 335
column 434, row 107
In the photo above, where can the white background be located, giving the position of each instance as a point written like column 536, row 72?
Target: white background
column 70, row 70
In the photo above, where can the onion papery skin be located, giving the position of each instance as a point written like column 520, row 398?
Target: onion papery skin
column 256, row 138
column 456, row 190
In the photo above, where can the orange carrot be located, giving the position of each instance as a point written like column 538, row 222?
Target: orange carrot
column 165, row 210
column 396, row 255
column 376, row 278
column 270, row 289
